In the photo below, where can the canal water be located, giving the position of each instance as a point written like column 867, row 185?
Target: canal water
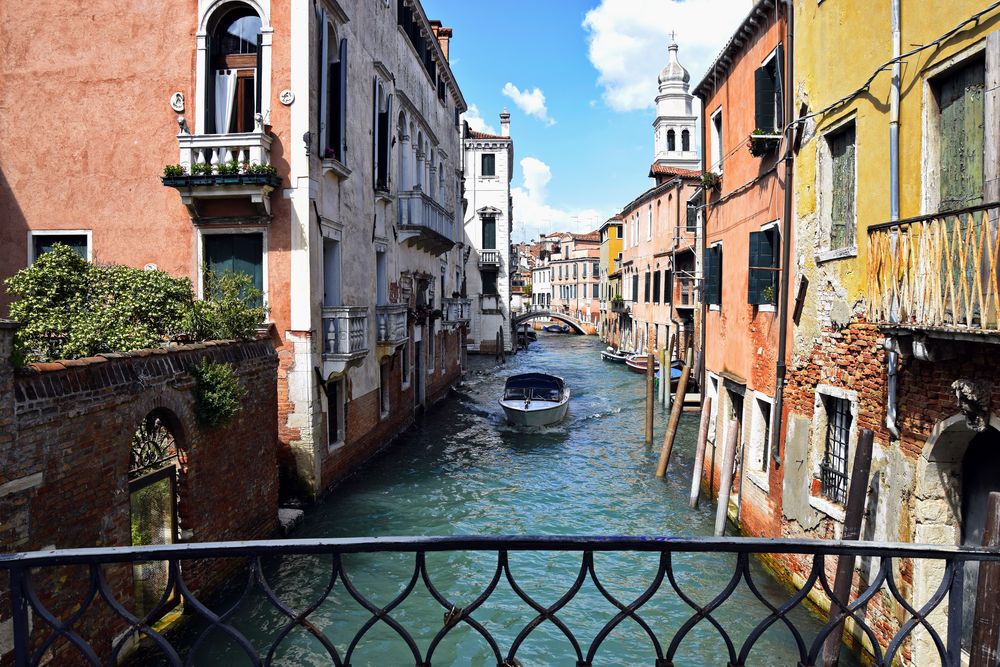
column 463, row 470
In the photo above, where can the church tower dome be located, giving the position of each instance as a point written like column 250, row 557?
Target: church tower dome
column 676, row 124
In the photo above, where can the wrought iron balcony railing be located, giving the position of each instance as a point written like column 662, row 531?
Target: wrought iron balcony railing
column 289, row 595
column 937, row 271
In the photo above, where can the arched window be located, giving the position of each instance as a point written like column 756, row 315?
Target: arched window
column 234, row 70
column 333, row 92
column 671, row 140
column 685, row 140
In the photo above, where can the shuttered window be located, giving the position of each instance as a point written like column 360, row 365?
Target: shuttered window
column 713, row 275
column 635, row 288
column 236, row 253
column 645, row 291
column 768, row 106
column 489, row 165
column 490, row 235
column 656, row 287
column 762, row 279
column 843, row 187
column 668, row 287
column 335, row 135
column 961, row 126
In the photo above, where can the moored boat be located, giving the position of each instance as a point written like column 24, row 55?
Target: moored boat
column 557, row 328
column 614, row 356
column 637, row 363
column 535, row 399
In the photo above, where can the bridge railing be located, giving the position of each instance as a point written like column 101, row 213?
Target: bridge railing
column 287, row 594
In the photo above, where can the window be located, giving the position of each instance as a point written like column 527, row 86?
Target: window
column 841, row 145
column 489, row 168
column 760, row 435
column 717, row 141
column 332, row 295
column 334, row 413
column 668, row 287
column 635, row 288
column 762, row 279
column 645, row 290
column 961, row 123
column 656, row 287
column 596, row 268
column 333, row 93
column 685, row 140
column 42, row 242
column 833, row 469
column 489, row 232
column 574, row 271
column 596, row 286
column 381, row 135
column 238, row 253
column 671, row 140
column 234, row 84
column 692, row 214
column 383, row 389
column 490, row 282
column 405, row 358
column 713, row 275
column 381, row 278
column 768, row 107
column 649, row 224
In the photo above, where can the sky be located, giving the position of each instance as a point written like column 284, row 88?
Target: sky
column 579, row 80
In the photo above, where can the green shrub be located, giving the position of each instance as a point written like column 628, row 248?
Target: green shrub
column 231, row 310
column 69, row 308
column 227, row 168
column 201, row 169
column 218, row 394
column 174, row 170
column 258, row 169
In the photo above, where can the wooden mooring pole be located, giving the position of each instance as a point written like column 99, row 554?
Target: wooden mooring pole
column 670, row 358
column 854, row 512
column 675, row 418
column 650, row 371
column 699, row 455
column 726, row 481
column 664, row 388
column 986, row 622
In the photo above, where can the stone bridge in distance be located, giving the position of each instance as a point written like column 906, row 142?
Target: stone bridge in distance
column 536, row 313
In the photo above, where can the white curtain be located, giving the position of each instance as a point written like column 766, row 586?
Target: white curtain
column 225, row 98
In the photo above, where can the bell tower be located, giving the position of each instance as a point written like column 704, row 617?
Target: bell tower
column 676, row 125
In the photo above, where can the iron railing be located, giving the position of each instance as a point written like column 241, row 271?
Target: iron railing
column 36, row 628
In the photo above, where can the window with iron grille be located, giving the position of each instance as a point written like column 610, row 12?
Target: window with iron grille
column 833, row 469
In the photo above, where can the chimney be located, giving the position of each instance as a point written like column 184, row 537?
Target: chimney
column 504, row 123
column 443, row 37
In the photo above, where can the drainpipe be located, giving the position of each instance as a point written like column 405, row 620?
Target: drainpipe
column 893, row 356
column 786, row 237
column 700, row 249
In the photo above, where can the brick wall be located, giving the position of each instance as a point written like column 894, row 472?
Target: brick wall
column 64, row 467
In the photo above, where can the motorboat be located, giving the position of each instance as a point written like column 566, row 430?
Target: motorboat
column 557, row 328
column 535, row 399
column 637, row 363
column 614, row 356
column 676, row 367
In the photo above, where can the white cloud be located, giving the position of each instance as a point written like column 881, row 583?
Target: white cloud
column 531, row 102
column 628, row 43
column 476, row 121
column 533, row 215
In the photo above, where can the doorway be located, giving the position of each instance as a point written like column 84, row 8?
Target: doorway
column 980, row 477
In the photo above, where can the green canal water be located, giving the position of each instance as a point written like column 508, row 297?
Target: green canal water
column 462, row 470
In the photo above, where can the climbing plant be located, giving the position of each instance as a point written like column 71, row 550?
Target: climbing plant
column 218, row 393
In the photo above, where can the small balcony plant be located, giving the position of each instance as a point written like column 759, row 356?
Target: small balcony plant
column 710, row 180
column 761, row 143
column 174, row 174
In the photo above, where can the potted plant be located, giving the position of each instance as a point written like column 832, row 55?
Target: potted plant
column 201, row 173
column 767, row 294
column 761, row 143
column 174, row 175
column 261, row 174
column 228, row 173
column 710, row 180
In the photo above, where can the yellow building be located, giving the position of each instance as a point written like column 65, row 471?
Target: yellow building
column 611, row 250
column 895, row 300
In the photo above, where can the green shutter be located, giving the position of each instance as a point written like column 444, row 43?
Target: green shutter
column 961, row 100
column 764, row 99
column 490, row 233
column 238, row 253
column 713, row 275
column 843, row 194
column 341, row 125
column 668, row 287
column 763, row 262
column 779, row 87
column 645, row 291
column 692, row 218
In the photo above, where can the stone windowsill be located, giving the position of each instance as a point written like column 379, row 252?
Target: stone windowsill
column 831, row 509
column 839, row 253
column 760, row 479
column 335, row 167
column 335, row 447
column 766, row 308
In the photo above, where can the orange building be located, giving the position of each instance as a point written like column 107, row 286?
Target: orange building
column 744, row 106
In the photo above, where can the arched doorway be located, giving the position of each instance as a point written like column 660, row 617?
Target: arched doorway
column 980, row 477
column 153, row 462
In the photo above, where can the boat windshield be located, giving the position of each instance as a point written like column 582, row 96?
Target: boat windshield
column 533, row 387
column 531, row 394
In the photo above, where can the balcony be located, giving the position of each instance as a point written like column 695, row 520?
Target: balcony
column 937, row 273
column 424, row 223
column 687, row 292
column 673, row 573
column 490, row 304
column 231, row 170
column 345, row 337
column 489, row 259
column 619, row 306
column 390, row 321
column 457, row 311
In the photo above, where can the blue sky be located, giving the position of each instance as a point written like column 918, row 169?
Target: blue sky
column 584, row 153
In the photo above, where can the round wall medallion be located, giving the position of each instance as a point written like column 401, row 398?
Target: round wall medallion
column 286, row 97
column 177, row 101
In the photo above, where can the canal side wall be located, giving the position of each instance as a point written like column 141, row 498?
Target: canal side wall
column 368, row 432
column 66, row 430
